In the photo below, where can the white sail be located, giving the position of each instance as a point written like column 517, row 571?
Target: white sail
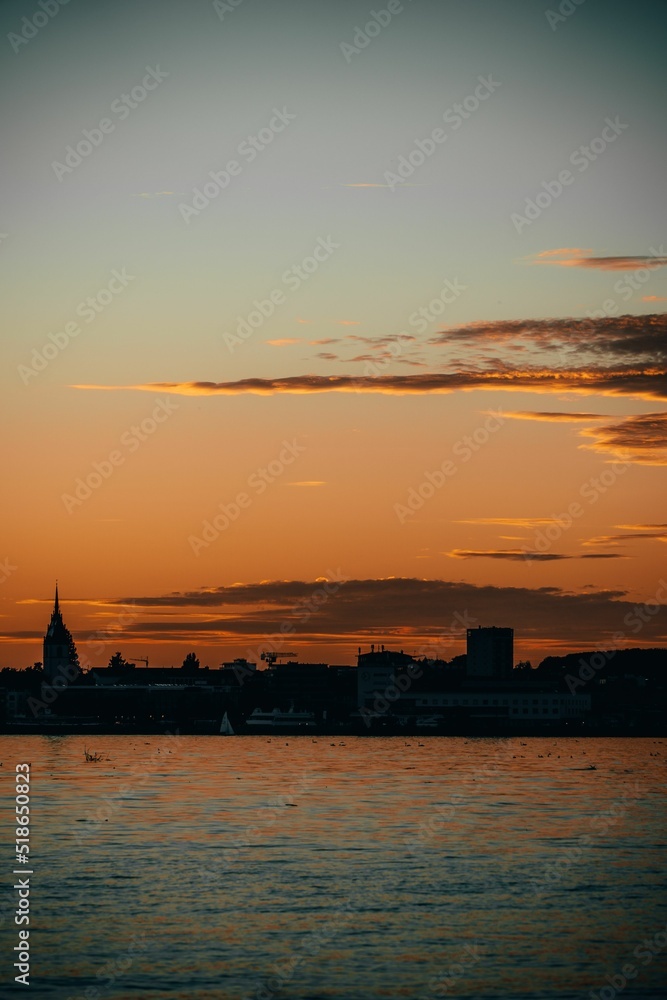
column 226, row 727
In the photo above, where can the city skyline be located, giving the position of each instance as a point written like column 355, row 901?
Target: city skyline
column 381, row 306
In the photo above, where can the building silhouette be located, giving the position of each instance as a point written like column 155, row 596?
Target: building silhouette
column 59, row 651
column 490, row 652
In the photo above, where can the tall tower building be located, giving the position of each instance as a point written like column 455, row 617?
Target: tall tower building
column 60, row 653
column 490, row 653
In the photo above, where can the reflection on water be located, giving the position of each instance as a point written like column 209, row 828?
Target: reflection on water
column 232, row 867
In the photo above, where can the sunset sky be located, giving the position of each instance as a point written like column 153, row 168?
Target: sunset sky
column 412, row 340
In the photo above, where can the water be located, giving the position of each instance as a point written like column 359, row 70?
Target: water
column 194, row 868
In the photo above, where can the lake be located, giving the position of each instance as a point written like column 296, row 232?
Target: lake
column 194, row 868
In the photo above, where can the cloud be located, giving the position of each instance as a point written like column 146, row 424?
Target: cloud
column 384, row 357
column 513, row 555
column 561, row 252
column 284, row 342
column 577, row 257
column 641, row 439
column 514, row 522
column 600, row 555
column 374, row 358
column 616, row 539
column 523, row 555
column 400, row 610
column 348, row 322
column 633, row 339
column 384, row 341
column 654, row 298
column 556, row 417
column 640, row 527
column 309, row 482
column 623, row 381
column 406, row 612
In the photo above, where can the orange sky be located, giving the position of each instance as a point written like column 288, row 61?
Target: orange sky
column 290, row 336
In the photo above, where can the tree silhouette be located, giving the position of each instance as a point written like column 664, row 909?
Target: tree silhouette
column 118, row 662
column 71, row 650
column 190, row 663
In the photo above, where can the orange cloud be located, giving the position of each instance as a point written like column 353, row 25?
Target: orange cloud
column 654, row 298
column 641, row 439
column 284, row 342
column 640, row 527
column 640, row 339
column 641, row 384
column 556, row 417
column 614, row 540
column 563, row 251
column 514, row 522
column 578, row 258
column 523, row 555
column 309, row 482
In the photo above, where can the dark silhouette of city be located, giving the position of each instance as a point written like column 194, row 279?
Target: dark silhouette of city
column 388, row 692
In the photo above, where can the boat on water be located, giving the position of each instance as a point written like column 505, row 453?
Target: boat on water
column 226, row 728
column 277, row 721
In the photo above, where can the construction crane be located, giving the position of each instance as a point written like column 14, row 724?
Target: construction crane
column 139, row 659
column 271, row 657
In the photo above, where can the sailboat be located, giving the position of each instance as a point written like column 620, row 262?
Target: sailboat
column 226, row 728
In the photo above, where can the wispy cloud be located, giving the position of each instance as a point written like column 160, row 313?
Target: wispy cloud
column 641, row 439
column 641, row 340
column 523, row 555
column 309, row 482
column 600, row 555
column 512, row 522
column 560, row 252
column 578, row 257
column 625, row 381
column 634, row 536
column 640, row 527
column 512, row 555
column 284, row 341
column 553, row 416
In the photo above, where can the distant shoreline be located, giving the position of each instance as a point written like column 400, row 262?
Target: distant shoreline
column 413, row 732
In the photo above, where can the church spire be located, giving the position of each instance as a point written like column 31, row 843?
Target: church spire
column 59, row 648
